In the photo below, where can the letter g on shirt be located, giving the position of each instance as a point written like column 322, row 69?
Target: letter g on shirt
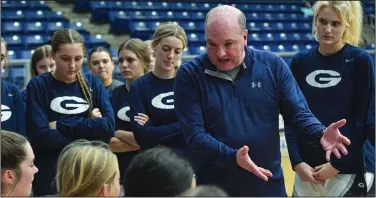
column 69, row 105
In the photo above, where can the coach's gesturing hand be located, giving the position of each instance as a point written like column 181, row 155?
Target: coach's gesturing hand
column 244, row 161
column 332, row 140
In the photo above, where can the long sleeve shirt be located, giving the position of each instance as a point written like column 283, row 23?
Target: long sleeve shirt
column 12, row 109
column 219, row 115
column 336, row 87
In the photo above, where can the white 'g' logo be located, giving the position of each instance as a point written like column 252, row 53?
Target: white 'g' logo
column 75, row 108
column 158, row 103
column 5, row 113
column 325, row 81
column 122, row 114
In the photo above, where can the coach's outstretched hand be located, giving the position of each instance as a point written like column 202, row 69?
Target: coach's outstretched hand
column 332, row 140
column 244, row 161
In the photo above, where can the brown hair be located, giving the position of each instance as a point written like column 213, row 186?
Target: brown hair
column 13, row 152
column 98, row 49
column 71, row 36
column 140, row 48
column 39, row 54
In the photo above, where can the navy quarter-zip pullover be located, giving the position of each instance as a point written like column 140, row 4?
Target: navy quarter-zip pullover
column 219, row 115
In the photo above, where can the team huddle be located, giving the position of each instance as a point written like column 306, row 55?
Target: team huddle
column 212, row 120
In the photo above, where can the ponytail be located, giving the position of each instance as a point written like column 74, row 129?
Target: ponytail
column 353, row 34
column 86, row 91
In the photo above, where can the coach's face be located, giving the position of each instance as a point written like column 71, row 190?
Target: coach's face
column 225, row 41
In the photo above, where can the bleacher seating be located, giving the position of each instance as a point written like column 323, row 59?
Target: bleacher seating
column 276, row 27
column 27, row 25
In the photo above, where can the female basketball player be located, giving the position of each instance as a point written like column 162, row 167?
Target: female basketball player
column 12, row 107
column 63, row 106
column 335, row 78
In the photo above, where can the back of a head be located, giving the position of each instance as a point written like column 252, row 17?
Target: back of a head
column 13, row 153
column 158, row 172
column 84, row 167
column 351, row 14
column 204, row 191
column 39, row 54
column 140, row 48
column 12, row 149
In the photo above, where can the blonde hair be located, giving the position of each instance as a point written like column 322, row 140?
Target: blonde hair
column 351, row 14
column 71, row 36
column 170, row 29
column 39, row 54
column 140, row 48
column 148, row 42
column 84, row 167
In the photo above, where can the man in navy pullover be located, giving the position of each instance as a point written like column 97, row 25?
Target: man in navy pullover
column 227, row 103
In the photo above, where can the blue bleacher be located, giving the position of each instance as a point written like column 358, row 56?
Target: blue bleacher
column 11, row 55
column 14, row 41
column 27, row 25
column 25, row 54
column 197, row 49
column 19, row 4
column 12, row 27
column 277, row 27
column 92, row 41
column 34, row 27
column 10, row 15
column 34, row 41
column 53, row 26
column 38, row 5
